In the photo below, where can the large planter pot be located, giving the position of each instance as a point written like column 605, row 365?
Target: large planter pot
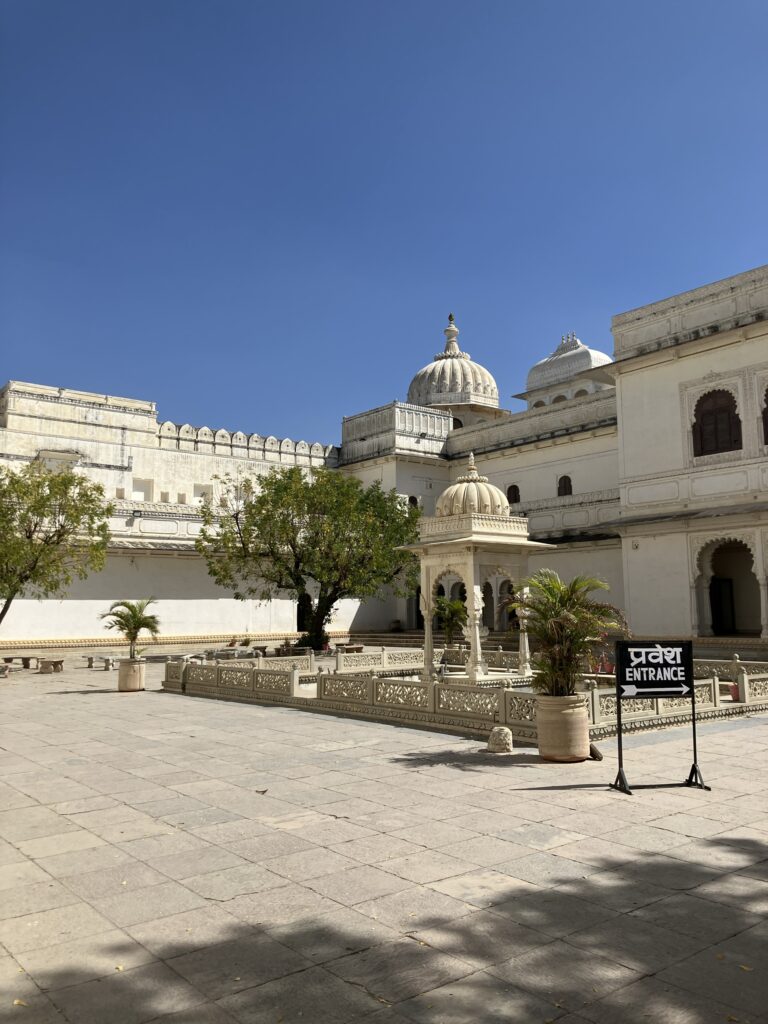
column 562, row 727
column 130, row 674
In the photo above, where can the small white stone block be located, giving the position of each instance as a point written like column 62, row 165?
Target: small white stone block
column 500, row 740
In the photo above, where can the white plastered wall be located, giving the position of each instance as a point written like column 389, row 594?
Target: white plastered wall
column 603, row 560
column 188, row 602
column 657, row 584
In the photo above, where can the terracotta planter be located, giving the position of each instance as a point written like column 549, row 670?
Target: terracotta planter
column 562, row 726
column 130, row 675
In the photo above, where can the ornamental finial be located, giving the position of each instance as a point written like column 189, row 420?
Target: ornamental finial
column 450, row 318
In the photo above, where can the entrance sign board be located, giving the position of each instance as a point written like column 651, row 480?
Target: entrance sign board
column 650, row 669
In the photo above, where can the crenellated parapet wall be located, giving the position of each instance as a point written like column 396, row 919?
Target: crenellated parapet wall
column 205, row 441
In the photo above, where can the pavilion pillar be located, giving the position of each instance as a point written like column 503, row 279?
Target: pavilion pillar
column 476, row 667
column 764, row 608
column 427, row 610
column 705, row 605
column 524, row 655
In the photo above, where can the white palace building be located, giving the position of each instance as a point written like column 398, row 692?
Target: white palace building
column 649, row 469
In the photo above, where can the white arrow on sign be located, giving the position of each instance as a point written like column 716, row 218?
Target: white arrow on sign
column 630, row 690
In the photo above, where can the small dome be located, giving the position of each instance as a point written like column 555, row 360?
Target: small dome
column 453, row 379
column 569, row 358
column 472, row 493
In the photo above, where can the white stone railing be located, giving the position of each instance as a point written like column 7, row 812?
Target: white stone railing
column 508, row 660
column 727, row 668
column 381, row 660
column 453, row 706
column 476, row 523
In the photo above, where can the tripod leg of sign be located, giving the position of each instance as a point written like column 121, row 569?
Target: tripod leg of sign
column 695, row 777
column 620, row 782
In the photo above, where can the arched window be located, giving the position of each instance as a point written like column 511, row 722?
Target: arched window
column 513, row 494
column 413, row 501
column 564, row 487
column 538, row 405
column 559, row 398
column 716, row 424
column 457, row 424
column 765, row 417
column 581, row 393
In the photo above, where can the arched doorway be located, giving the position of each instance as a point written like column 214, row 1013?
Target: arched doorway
column 459, row 592
column 507, row 615
column 489, row 610
column 439, row 592
column 415, row 619
column 734, row 593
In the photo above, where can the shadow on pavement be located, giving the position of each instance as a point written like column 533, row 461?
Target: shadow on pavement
column 661, row 938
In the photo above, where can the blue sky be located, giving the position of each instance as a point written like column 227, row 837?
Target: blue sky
column 259, row 214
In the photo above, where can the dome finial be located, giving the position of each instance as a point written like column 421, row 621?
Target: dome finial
column 472, row 467
column 451, row 333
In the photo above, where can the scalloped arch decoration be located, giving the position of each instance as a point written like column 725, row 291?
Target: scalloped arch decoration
column 711, row 389
column 706, row 547
column 444, row 574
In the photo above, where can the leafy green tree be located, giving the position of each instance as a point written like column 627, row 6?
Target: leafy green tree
column 130, row 618
column 564, row 623
column 53, row 529
column 451, row 615
column 319, row 537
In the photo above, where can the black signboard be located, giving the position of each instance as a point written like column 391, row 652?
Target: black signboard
column 648, row 669
column 645, row 668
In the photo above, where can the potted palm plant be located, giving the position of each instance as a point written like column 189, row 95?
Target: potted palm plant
column 563, row 623
column 130, row 618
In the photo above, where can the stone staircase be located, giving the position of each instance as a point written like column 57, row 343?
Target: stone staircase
column 415, row 638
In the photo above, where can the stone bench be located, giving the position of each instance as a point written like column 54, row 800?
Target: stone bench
column 109, row 661
column 25, row 659
column 48, row 665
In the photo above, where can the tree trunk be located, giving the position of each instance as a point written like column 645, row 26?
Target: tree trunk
column 321, row 613
column 6, row 607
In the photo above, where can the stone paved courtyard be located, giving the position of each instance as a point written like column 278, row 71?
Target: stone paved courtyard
column 179, row 860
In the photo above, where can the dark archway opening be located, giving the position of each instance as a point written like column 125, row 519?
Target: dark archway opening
column 734, row 593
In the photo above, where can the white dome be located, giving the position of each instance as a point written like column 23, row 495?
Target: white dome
column 453, row 379
column 569, row 358
column 472, row 493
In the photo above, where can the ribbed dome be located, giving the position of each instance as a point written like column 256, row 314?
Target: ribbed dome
column 472, row 493
column 569, row 358
column 453, row 379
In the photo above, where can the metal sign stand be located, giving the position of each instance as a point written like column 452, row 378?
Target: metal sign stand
column 620, row 783
column 695, row 777
column 621, row 779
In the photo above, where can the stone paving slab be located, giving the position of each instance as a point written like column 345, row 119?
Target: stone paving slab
column 166, row 860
